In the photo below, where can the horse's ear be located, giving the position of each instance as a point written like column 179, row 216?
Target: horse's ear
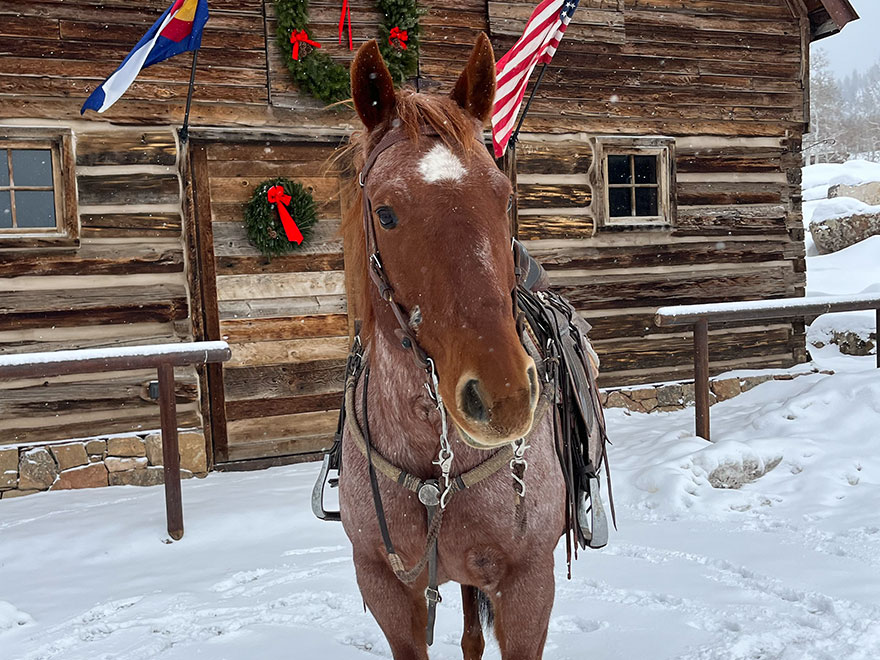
column 372, row 87
column 475, row 89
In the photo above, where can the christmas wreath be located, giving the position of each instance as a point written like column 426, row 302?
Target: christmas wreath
column 279, row 216
column 318, row 75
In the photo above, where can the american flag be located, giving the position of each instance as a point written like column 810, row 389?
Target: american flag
column 538, row 43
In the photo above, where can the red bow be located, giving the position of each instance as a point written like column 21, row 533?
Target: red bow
column 400, row 35
column 346, row 13
column 281, row 199
column 301, row 36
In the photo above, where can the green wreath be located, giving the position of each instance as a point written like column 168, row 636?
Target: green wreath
column 317, row 74
column 264, row 228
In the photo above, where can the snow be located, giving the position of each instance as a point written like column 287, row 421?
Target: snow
column 782, row 304
column 786, row 566
column 50, row 357
column 841, row 207
column 818, row 178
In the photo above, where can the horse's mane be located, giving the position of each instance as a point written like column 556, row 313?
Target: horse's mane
column 413, row 112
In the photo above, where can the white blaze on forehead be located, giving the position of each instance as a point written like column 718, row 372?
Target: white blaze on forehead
column 440, row 164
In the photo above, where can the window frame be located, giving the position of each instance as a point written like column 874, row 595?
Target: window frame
column 663, row 148
column 65, row 233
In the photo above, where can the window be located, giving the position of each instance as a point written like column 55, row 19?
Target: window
column 36, row 191
column 632, row 182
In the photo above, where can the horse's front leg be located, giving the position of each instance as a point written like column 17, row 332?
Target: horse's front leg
column 522, row 603
column 400, row 610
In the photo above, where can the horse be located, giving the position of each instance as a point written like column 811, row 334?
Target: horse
column 450, row 386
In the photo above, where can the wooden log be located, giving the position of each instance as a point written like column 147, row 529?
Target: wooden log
column 284, row 381
column 554, row 226
column 311, row 446
column 272, row 329
column 264, row 353
column 280, row 285
column 284, row 264
column 125, row 148
column 534, row 196
column 280, row 427
column 311, row 305
column 261, row 408
column 119, row 189
column 121, row 225
column 151, row 262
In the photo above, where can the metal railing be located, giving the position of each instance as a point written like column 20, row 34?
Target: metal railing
column 699, row 317
column 163, row 358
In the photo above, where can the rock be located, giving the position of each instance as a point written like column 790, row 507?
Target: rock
column 649, row 404
column 96, row 448
column 69, row 456
column 669, row 395
column 8, row 467
column 620, row 400
column 87, row 476
column 192, row 452
column 834, row 234
column 753, row 381
column 8, row 494
column 148, row 476
column 603, row 398
column 726, row 389
column 129, row 445
column 37, row 469
column 852, row 343
column 869, row 193
column 153, row 445
column 120, row 464
column 736, row 475
column 641, row 395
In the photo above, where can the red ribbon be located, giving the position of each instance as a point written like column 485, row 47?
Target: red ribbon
column 301, row 36
column 400, row 35
column 281, row 199
column 346, row 13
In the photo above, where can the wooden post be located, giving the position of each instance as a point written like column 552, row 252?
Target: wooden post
column 877, row 335
column 701, row 377
column 170, row 452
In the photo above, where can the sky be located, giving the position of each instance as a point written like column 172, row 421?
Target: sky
column 857, row 47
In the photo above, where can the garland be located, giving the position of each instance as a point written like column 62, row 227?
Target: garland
column 270, row 217
column 317, row 74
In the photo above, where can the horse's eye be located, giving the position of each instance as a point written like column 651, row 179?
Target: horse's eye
column 386, row 217
column 509, row 203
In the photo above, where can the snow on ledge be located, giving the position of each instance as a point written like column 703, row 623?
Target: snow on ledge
column 51, row 357
column 760, row 305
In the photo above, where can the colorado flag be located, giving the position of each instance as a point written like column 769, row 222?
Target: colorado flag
column 178, row 30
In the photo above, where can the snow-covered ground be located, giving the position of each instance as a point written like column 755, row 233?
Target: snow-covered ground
column 786, row 567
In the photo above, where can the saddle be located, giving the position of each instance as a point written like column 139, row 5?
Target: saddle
column 556, row 336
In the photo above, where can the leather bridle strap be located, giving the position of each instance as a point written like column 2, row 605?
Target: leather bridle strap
column 377, row 273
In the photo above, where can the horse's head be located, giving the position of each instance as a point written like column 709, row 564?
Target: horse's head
column 439, row 208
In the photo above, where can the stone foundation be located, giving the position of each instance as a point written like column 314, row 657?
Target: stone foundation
column 126, row 460
column 666, row 397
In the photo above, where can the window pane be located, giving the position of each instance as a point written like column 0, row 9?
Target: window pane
column 620, row 202
column 34, row 208
column 618, row 169
column 646, row 201
column 32, row 167
column 4, row 168
column 646, row 169
column 5, row 210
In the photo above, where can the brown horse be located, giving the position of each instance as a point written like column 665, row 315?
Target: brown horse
column 438, row 213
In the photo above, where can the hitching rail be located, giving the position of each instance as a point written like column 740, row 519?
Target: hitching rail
column 163, row 358
column 699, row 317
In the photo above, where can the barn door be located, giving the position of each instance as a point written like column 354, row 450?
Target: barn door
column 285, row 318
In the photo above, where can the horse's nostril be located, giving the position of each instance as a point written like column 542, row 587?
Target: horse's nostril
column 533, row 383
column 472, row 403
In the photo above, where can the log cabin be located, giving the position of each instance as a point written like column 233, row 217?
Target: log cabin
column 659, row 164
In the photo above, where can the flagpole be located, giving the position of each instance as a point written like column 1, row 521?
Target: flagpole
column 184, row 130
column 513, row 138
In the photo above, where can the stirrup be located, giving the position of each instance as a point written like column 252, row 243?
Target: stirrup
column 318, row 493
column 591, row 516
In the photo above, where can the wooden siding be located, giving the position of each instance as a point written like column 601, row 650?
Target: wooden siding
column 124, row 284
column 285, row 318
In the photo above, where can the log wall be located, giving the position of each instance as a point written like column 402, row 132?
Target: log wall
column 124, row 284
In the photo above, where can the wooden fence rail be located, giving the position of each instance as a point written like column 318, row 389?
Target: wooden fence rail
column 163, row 358
column 699, row 317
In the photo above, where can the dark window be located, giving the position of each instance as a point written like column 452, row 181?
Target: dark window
column 633, row 188
column 27, row 189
